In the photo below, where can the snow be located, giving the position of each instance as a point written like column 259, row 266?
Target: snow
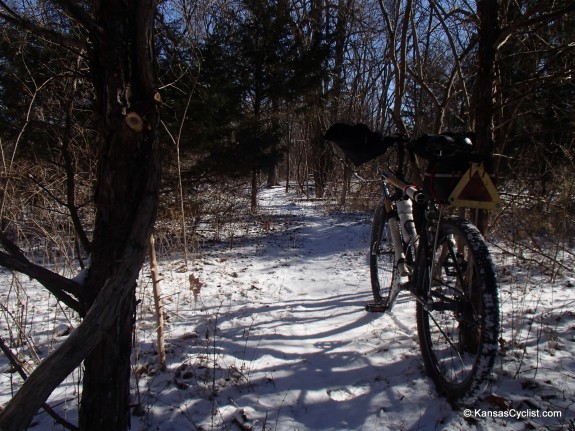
column 277, row 338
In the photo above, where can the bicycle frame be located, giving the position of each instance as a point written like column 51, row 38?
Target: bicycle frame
column 417, row 196
column 422, row 247
column 441, row 260
column 412, row 192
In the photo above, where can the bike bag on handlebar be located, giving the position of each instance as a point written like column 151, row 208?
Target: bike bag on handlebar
column 357, row 142
column 455, row 175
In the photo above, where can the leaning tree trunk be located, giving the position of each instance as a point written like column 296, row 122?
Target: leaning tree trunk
column 123, row 68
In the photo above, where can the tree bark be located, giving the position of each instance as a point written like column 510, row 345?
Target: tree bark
column 122, row 63
column 321, row 162
column 123, row 67
column 484, row 104
column 85, row 338
column 254, row 190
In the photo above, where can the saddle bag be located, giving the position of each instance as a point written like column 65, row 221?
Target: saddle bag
column 455, row 175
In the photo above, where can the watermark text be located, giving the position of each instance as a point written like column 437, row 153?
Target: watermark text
column 511, row 413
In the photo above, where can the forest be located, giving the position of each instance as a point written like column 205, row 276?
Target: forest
column 145, row 125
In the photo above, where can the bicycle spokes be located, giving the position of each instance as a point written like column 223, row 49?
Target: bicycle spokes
column 457, row 317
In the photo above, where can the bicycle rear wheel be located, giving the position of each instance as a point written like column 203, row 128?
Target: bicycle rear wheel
column 458, row 321
column 383, row 271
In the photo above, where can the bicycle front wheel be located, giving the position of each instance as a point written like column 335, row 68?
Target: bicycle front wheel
column 458, row 319
column 383, row 271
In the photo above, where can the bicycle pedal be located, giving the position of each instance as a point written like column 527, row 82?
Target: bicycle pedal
column 406, row 286
column 374, row 307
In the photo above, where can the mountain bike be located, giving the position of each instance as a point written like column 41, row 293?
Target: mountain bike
column 441, row 260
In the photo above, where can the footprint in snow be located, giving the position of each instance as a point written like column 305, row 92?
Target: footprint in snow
column 349, row 393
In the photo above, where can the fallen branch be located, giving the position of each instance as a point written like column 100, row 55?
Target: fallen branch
column 16, row 363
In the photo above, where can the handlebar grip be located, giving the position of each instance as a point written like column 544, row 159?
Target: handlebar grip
column 415, row 194
column 419, row 198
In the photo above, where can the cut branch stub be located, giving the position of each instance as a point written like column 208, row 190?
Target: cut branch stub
column 134, row 121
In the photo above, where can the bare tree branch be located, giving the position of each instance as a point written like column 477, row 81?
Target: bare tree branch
column 534, row 16
column 42, row 32
column 79, row 15
column 56, row 367
column 399, row 64
column 18, row 366
column 61, row 287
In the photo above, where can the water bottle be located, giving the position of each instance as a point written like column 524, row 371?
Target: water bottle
column 406, row 223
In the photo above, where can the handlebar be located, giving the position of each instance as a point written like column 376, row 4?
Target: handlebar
column 410, row 190
column 362, row 145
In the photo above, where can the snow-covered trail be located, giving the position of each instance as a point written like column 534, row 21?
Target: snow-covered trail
column 280, row 331
column 278, row 338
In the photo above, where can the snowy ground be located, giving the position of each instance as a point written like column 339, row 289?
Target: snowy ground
column 278, row 339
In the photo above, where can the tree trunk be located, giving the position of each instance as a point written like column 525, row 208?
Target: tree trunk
column 321, row 162
column 122, row 63
column 484, row 105
column 287, row 156
column 99, row 320
column 123, row 68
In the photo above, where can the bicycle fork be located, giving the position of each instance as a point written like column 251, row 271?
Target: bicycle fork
column 402, row 266
column 431, row 261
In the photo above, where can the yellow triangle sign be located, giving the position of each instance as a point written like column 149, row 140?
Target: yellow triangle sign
column 475, row 190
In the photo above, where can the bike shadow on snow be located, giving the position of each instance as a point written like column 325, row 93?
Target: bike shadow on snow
column 297, row 357
column 299, row 371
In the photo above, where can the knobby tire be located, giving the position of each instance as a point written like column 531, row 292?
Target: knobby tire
column 383, row 271
column 458, row 326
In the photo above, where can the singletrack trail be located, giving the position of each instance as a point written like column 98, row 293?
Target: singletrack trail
column 280, row 331
column 277, row 337
column 279, row 340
